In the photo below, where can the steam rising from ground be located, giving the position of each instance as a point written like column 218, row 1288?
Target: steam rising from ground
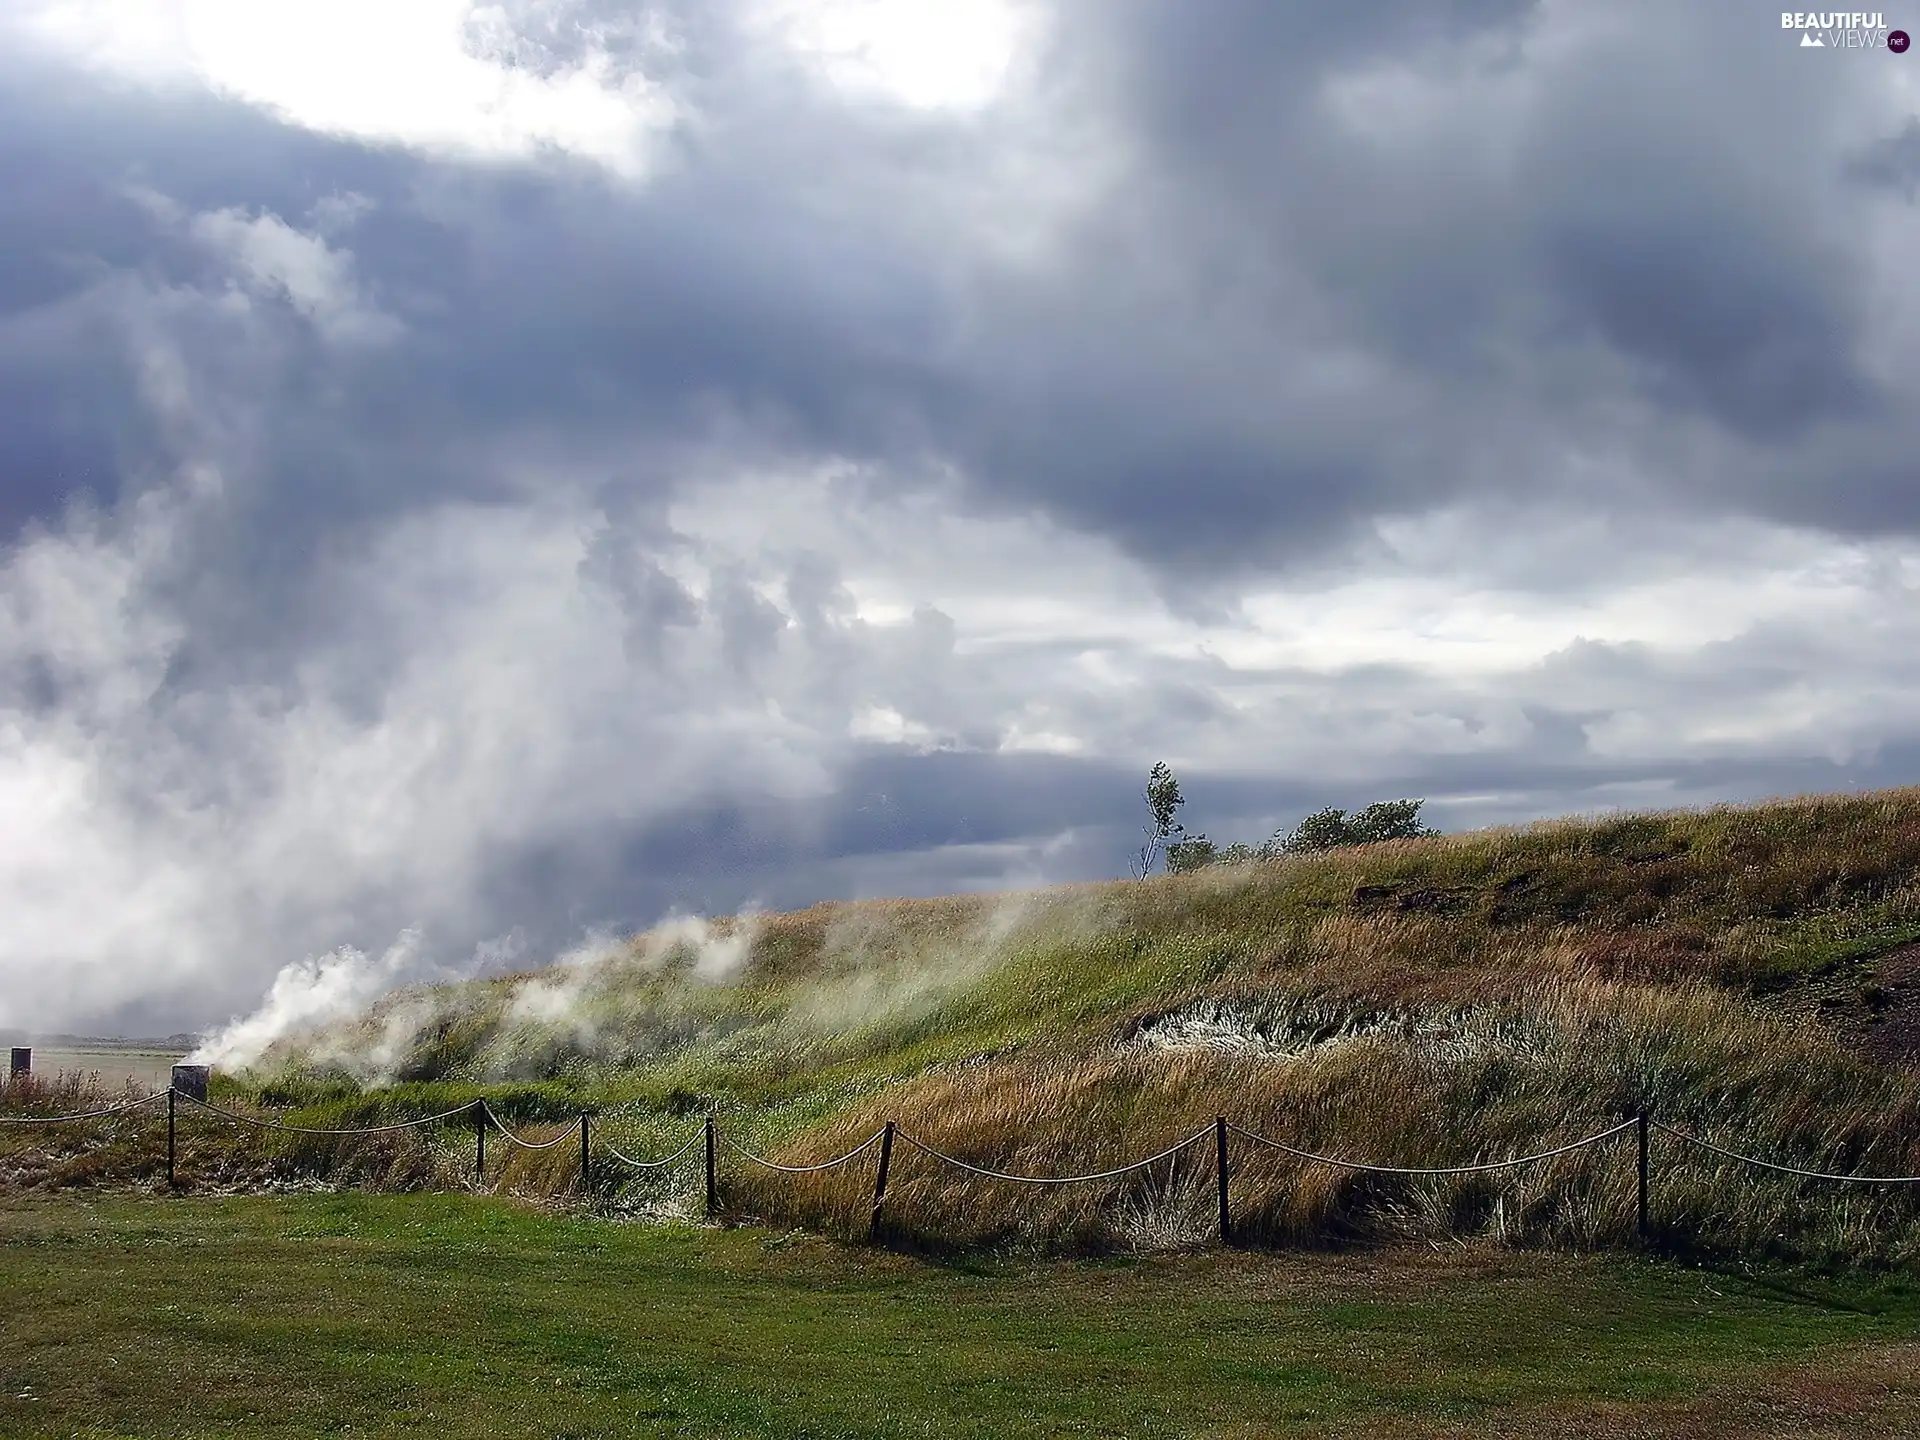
column 615, row 1000
column 310, row 994
column 718, row 954
column 557, row 1003
column 866, row 978
column 314, row 1000
column 361, row 1015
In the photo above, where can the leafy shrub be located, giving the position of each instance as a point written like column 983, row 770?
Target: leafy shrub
column 1329, row 829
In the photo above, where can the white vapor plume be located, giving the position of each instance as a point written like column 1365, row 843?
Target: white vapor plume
column 344, row 1010
column 309, row 995
column 718, row 953
column 554, row 1009
column 320, row 997
column 551, row 1000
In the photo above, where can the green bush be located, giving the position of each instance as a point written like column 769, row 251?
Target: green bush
column 1329, row 829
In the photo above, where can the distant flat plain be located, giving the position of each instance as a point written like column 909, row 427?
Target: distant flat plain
column 146, row 1066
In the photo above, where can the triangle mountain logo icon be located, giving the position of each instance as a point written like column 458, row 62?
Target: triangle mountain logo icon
column 1808, row 42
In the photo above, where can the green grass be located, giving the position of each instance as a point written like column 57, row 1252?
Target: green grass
column 1736, row 971
column 450, row 1316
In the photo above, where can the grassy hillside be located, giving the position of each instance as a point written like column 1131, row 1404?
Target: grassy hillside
column 1744, row 973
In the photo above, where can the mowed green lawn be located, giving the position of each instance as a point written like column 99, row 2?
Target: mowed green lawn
column 446, row 1315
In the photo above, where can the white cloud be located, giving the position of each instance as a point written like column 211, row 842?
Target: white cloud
column 957, row 55
column 272, row 259
column 430, row 74
column 183, row 843
column 886, row 725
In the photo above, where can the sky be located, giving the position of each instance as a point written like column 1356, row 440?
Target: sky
column 474, row 476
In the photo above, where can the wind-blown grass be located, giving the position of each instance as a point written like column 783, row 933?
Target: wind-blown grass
column 1420, row 1003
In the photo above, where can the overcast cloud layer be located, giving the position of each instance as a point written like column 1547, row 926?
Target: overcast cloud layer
column 507, row 470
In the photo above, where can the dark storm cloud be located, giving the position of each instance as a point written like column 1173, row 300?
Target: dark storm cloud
column 72, row 156
column 1653, row 223
column 1892, row 161
column 1629, row 229
column 1678, row 229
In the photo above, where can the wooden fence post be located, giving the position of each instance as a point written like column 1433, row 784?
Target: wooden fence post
column 713, row 1180
column 479, row 1142
column 1641, row 1128
column 586, row 1161
column 880, row 1182
column 1220, row 1177
column 171, row 1093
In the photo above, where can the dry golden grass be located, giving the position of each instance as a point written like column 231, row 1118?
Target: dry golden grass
column 1574, row 1066
column 1419, row 1003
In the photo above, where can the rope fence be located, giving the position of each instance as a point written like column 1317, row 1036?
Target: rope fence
column 1115, row 1173
column 82, row 1114
column 692, row 1140
column 1478, row 1167
column 1786, row 1169
column 711, row 1138
column 513, row 1139
column 260, row 1124
column 837, row 1161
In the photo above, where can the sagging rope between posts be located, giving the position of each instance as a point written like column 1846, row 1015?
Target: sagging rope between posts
column 1478, row 1167
column 1786, row 1169
column 130, row 1105
column 1221, row 1129
column 954, row 1160
column 692, row 1140
column 838, row 1160
column 260, row 1124
column 513, row 1139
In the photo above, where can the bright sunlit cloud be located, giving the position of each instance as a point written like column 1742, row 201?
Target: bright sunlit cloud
column 951, row 56
column 428, row 74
